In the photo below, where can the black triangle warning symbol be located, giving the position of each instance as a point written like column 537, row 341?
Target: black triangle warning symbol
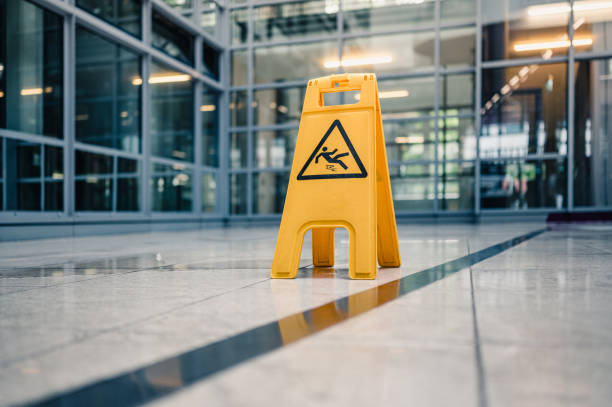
column 333, row 157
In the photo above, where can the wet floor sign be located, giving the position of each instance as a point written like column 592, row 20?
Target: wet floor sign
column 339, row 179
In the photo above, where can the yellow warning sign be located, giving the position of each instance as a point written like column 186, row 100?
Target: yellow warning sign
column 339, row 179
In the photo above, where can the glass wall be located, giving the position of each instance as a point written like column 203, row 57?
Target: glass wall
column 196, row 112
column 119, row 130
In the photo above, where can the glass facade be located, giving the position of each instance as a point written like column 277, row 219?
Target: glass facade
column 192, row 107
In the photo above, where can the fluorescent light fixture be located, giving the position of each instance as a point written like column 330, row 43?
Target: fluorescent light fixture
column 514, row 81
column 369, row 60
column 1, row 94
column 389, row 94
column 165, row 78
column 505, row 89
column 564, row 8
column 31, row 91
column 410, row 139
column 544, row 45
column 207, row 108
column 495, row 98
column 524, row 71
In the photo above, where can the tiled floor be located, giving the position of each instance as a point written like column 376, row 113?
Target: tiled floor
column 531, row 326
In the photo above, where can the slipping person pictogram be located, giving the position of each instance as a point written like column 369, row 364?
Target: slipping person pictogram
column 332, row 160
column 325, row 161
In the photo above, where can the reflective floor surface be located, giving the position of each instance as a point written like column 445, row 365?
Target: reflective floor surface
column 509, row 317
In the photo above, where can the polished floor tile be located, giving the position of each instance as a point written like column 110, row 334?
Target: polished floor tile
column 528, row 326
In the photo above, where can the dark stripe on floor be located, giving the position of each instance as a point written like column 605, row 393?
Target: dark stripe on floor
column 175, row 373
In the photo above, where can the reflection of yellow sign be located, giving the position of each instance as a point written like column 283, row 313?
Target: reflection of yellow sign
column 339, row 178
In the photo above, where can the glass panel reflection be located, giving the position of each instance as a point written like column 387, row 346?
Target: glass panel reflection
column 524, row 111
column 123, row 14
column 238, row 108
column 457, row 11
column 410, row 140
column 238, row 150
column 277, row 106
column 170, row 188
column 269, row 191
column 171, row 39
column 295, row 20
column 457, row 47
column 274, row 149
column 407, row 98
column 456, row 94
column 208, row 18
column 238, row 194
column 209, row 192
column 210, row 59
column 294, row 62
column 239, row 26
column 593, row 21
column 395, row 53
column 456, row 186
column 31, row 76
column 412, row 187
column 239, row 68
column 107, row 93
column 210, row 127
column 171, row 113
column 93, row 182
column 373, row 15
column 519, row 29
column 522, row 184
column 592, row 140
column 456, row 138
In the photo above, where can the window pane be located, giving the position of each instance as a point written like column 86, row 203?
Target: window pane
column 407, row 98
column 171, row 113
column 373, row 15
column 124, row 14
column 238, row 108
column 456, row 138
column 396, row 53
column 238, row 150
column 54, row 196
column 294, row 62
column 128, row 194
column 457, row 94
column 511, row 29
column 54, row 162
column 171, row 39
column 269, row 191
column 457, row 47
column 210, row 127
column 170, row 189
column 210, row 61
column 127, row 166
column 238, row 194
column 456, row 186
column 239, row 26
column 274, row 148
column 592, row 140
column 276, row 106
column 31, row 74
column 92, row 163
column 180, row 5
column 457, row 11
column 295, row 20
column 239, row 68
column 107, row 93
column 522, row 184
column 209, row 192
column 410, row 140
column 208, row 18
column 23, row 172
column 412, row 187
column 94, row 194
column 592, row 26
column 524, row 111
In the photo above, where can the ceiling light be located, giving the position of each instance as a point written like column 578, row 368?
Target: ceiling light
column 334, row 63
column 207, row 108
column 31, row 91
column 389, row 94
column 165, row 78
column 536, row 46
